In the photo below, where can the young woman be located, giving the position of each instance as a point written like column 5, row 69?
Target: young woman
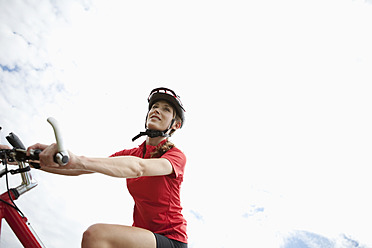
column 154, row 173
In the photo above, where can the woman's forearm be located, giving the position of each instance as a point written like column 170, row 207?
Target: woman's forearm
column 65, row 172
column 124, row 167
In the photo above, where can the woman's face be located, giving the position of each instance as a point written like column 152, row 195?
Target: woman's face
column 160, row 116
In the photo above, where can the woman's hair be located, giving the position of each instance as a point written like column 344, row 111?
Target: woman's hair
column 160, row 150
column 178, row 119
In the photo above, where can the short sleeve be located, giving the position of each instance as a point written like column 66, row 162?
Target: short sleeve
column 178, row 160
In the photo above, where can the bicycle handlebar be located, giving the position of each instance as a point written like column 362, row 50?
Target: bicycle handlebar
column 19, row 154
column 62, row 157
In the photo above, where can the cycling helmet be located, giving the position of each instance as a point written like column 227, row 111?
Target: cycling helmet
column 172, row 98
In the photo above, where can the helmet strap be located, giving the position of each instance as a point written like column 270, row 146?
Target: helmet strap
column 155, row 133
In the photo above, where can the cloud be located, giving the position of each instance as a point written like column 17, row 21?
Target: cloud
column 197, row 215
column 7, row 69
column 305, row 239
column 253, row 211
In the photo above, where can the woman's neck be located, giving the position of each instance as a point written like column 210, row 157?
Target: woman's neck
column 154, row 141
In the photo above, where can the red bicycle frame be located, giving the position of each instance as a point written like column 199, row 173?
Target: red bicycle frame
column 20, row 225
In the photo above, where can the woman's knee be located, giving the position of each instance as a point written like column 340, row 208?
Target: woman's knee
column 94, row 236
column 108, row 235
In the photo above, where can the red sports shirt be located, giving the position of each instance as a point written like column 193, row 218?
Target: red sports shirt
column 157, row 198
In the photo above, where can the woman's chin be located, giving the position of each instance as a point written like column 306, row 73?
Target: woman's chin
column 154, row 127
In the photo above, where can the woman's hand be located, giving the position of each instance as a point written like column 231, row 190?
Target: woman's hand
column 46, row 157
column 7, row 147
column 4, row 147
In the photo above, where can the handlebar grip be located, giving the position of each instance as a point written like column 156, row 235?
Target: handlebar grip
column 15, row 141
column 34, row 154
column 62, row 156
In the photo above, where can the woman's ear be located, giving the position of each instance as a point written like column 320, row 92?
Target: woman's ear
column 176, row 125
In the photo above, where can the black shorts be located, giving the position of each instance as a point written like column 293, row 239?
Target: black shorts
column 164, row 242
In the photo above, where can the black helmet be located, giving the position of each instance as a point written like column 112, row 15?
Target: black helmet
column 169, row 96
column 172, row 98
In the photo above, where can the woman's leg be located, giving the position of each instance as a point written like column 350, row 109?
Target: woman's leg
column 107, row 235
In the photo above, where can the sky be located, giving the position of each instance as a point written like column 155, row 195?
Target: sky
column 278, row 113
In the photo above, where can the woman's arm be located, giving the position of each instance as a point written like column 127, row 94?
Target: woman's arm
column 64, row 172
column 54, row 168
column 127, row 166
column 122, row 166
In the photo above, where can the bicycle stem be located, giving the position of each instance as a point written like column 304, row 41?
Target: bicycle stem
column 27, row 181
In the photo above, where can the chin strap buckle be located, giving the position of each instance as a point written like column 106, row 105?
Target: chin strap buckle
column 152, row 134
